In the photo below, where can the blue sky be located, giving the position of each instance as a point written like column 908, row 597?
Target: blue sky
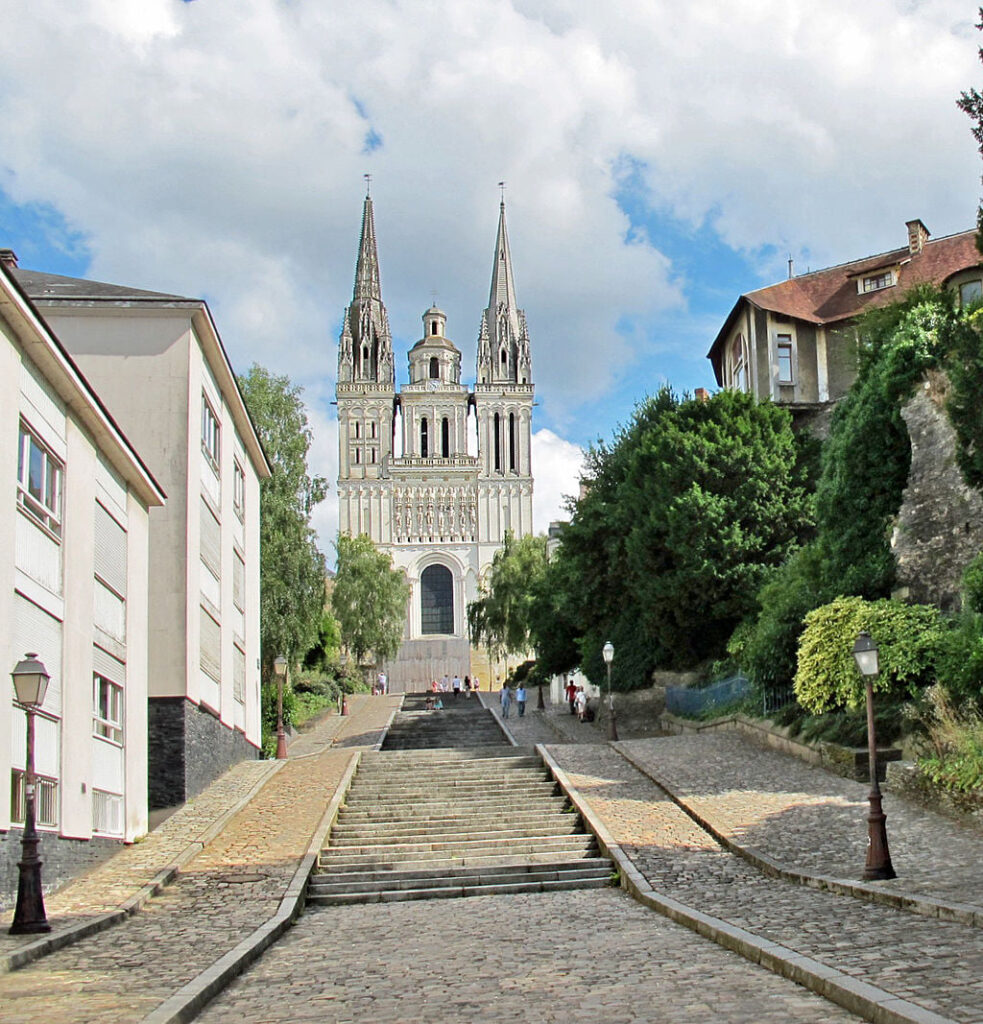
column 660, row 160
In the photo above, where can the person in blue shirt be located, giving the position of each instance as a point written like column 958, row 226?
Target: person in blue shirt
column 520, row 699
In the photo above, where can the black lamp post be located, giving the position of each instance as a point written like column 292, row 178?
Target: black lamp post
column 607, row 652
column 280, row 668
column 30, row 683
column 878, row 865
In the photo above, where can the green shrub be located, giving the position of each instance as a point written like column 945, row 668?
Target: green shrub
column 973, row 584
column 954, row 735
column 908, row 637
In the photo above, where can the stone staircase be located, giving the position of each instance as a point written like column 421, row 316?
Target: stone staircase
column 466, row 820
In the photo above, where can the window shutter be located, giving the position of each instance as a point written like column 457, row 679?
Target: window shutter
column 211, row 646
column 239, row 674
column 108, row 667
column 211, row 540
column 37, row 632
column 239, row 582
column 110, row 553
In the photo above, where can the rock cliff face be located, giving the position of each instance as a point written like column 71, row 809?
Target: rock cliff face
column 940, row 524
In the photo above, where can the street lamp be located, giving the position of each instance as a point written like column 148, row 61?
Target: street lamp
column 280, row 668
column 607, row 652
column 30, row 683
column 878, row 865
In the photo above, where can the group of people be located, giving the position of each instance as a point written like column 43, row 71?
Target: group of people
column 505, row 697
column 579, row 702
column 454, row 686
column 381, row 685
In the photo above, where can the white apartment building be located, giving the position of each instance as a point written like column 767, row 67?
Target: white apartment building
column 159, row 364
column 74, row 548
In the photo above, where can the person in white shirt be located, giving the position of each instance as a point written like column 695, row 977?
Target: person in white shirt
column 520, row 699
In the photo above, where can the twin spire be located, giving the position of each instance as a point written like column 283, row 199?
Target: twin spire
column 366, row 344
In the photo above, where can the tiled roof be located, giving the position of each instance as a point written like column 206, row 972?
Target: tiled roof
column 826, row 296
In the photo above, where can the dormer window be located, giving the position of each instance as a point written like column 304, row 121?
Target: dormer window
column 876, row 282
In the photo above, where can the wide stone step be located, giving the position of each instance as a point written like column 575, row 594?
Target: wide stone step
column 447, row 862
column 436, row 893
column 398, row 836
column 450, row 781
column 459, row 791
column 390, row 875
column 346, row 824
column 327, row 885
column 465, row 752
column 459, row 847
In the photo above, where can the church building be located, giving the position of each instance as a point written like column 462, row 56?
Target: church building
column 435, row 473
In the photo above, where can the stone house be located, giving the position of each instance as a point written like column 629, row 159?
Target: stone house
column 158, row 363
column 793, row 342
column 74, row 553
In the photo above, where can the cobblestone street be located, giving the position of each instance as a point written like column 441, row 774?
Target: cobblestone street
column 594, row 956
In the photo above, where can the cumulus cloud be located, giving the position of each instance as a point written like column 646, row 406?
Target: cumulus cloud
column 557, row 465
column 216, row 148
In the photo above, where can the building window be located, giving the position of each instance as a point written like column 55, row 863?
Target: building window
column 498, row 442
column 970, row 292
column 875, row 282
column 436, row 600
column 358, row 456
column 107, row 709
column 45, row 799
column 238, row 674
column 39, row 480
column 210, row 434
column 238, row 490
column 424, row 439
column 358, row 430
column 372, row 453
column 107, row 813
column 434, row 368
column 445, row 438
column 372, row 428
column 784, row 347
column 512, row 441
column 739, row 365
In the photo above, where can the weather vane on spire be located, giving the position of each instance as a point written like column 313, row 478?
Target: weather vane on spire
column 501, row 185
column 368, row 182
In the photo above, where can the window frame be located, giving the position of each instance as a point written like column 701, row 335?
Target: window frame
column 784, row 343
column 45, row 797
column 877, row 282
column 109, row 726
column 238, row 490
column 963, row 301
column 46, row 511
column 211, row 434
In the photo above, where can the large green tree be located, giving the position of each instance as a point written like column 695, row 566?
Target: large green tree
column 292, row 570
column 501, row 617
column 368, row 599
column 685, row 514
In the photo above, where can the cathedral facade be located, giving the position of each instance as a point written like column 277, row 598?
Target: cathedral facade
column 434, row 473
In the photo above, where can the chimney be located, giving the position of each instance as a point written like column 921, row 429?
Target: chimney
column 918, row 235
column 8, row 259
column 701, row 395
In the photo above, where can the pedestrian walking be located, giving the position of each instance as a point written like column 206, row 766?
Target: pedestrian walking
column 456, row 686
column 520, row 699
column 445, row 684
column 467, row 685
column 571, row 691
column 505, row 696
column 581, row 703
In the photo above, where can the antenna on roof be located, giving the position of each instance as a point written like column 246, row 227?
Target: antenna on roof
column 501, row 185
column 791, row 266
column 368, row 182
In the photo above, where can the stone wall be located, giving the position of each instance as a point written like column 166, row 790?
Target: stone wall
column 189, row 749
column 939, row 527
column 62, row 859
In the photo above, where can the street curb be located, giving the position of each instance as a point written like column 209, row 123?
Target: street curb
column 924, row 906
column 185, row 1004
column 867, row 1001
column 68, row 936
column 498, row 718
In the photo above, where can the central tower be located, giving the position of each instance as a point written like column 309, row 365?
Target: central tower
column 434, row 474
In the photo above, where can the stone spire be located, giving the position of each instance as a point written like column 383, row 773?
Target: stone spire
column 503, row 339
column 365, row 348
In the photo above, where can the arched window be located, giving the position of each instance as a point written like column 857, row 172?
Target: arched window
column 424, row 440
column 434, row 368
column 505, row 360
column 512, row 441
column 436, row 600
column 445, row 438
column 433, row 327
column 358, row 429
column 498, row 443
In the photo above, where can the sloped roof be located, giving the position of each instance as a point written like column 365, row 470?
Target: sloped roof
column 830, row 295
column 54, row 286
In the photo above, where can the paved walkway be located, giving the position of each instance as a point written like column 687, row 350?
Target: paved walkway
column 550, row 958
column 935, row 964
column 220, row 897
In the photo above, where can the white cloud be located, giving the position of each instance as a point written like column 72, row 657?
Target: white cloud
column 557, row 465
column 216, row 148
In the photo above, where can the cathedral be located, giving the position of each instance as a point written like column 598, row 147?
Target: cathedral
column 434, row 473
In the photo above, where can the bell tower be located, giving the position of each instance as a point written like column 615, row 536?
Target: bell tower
column 366, row 396
column 503, row 397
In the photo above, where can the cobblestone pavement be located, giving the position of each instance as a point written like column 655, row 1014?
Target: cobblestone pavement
column 530, row 729
column 559, row 958
column 936, row 964
column 220, row 897
column 809, row 819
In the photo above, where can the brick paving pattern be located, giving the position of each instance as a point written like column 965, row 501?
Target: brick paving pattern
column 936, row 964
column 552, row 958
column 811, row 820
column 216, row 901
